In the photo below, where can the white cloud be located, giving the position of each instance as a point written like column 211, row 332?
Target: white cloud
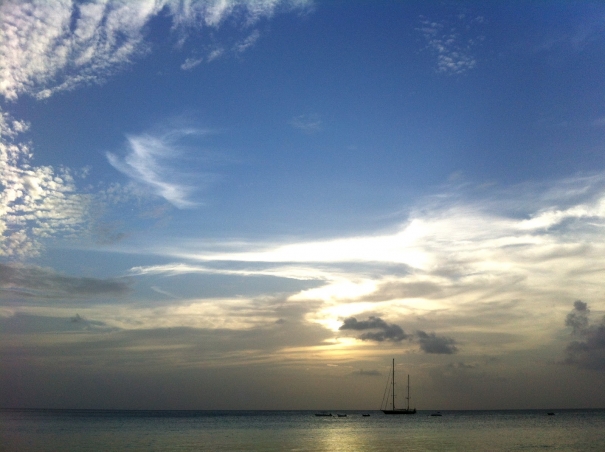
column 35, row 202
column 56, row 45
column 215, row 53
column 248, row 42
column 190, row 63
column 440, row 231
column 218, row 51
column 452, row 45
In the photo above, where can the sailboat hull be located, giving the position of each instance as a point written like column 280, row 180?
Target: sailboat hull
column 404, row 411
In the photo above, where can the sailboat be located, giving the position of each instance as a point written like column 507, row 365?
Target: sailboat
column 394, row 410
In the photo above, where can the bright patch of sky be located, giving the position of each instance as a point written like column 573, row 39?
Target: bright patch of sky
column 303, row 189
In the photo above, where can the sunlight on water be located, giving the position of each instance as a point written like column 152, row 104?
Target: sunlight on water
column 299, row 431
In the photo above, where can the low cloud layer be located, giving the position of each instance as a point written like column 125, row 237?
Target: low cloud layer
column 21, row 281
column 587, row 351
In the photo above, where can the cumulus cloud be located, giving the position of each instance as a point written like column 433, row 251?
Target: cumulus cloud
column 431, row 343
column 588, row 350
column 453, row 45
column 21, row 281
column 57, row 45
column 148, row 163
column 35, row 202
column 382, row 331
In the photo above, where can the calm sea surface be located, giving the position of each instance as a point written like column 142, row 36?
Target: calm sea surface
column 106, row 430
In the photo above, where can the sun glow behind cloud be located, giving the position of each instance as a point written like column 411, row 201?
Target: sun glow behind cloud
column 459, row 260
column 136, row 274
column 470, row 263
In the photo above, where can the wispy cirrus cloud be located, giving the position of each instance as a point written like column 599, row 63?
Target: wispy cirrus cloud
column 248, row 42
column 299, row 272
column 574, row 36
column 150, row 161
column 58, row 45
column 217, row 51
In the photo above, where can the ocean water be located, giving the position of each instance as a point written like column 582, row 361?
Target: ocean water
column 108, row 430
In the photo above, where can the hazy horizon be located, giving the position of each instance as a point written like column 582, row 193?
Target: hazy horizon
column 230, row 204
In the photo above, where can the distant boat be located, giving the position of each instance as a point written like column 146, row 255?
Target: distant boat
column 394, row 410
column 365, row 415
column 438, row 413
column 342, row 415
column 323, row 414
column 550, row 413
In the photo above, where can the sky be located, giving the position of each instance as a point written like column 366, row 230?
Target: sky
column 229, row 204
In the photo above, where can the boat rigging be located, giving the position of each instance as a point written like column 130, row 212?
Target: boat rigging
column 394, row 410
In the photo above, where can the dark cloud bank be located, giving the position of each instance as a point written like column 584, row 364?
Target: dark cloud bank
column 376, row 329
column 382, row 331
column 587, row 351
column 431, row 343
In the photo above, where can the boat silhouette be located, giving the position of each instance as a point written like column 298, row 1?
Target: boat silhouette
column 394, row 410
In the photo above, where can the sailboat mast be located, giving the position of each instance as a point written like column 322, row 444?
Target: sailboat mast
column 385, row 397
column 393, row 381
column 408, row 392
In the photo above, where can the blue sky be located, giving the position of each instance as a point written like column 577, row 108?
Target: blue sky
column 294, row 192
